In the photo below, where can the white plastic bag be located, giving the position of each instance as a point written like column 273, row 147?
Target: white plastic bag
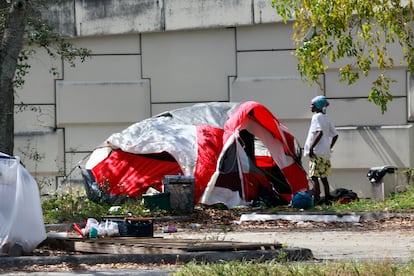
column 108, row 228
column 92, row 222
column 21, row 216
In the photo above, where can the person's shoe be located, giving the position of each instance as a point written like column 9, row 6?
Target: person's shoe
column 328, row 200
column 316, row 199
column 319, row 201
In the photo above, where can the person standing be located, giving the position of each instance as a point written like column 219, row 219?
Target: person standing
column 321, row 138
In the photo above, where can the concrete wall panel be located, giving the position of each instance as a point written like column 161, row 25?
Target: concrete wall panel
column 356, row 180
column 287, row 97
column 335, row 88
column 102, row 102
column 73, row 160
column 266, row 63
column 47, row 184
column 61, row 15
column 203, row 14
column 366, row 147
column 160, row 108
column 111, row 44
column 126, row 16
column 189, row 66
column 264, row 12
column 410, row 94
column 41, row 152
column 265, row 37
column 353, row 179
column 39, row 82
column 395, row 51
column 34, row 118
column 73, row 184
column 88, row 18
column 409, row 145
column 299, row 128
column 88, row 137
column 361, row 112
column 106, row 68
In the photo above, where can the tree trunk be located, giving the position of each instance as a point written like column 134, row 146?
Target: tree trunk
column 11, row 45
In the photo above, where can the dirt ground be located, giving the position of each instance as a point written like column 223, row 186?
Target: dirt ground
column 327, row 244
column 389, row 238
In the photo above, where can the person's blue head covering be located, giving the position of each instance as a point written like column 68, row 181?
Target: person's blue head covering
column 320, row 102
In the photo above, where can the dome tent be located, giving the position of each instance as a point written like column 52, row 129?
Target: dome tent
column 236, row 152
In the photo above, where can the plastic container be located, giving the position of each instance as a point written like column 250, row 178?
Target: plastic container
column 93, row 232
column 159, row 201
column 181, row 189
column 133, row 227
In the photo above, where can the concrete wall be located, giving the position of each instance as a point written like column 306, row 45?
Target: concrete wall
column 151, row 56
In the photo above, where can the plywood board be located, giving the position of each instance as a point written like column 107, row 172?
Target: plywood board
column 135, row 245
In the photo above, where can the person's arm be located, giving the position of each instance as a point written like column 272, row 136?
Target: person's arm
column 334, row 141
column 315, row 142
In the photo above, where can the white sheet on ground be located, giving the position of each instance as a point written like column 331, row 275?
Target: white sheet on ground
column 304, row 217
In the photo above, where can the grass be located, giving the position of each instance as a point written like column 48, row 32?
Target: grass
column 72, row 207
column 280, row 268
column 397, row 202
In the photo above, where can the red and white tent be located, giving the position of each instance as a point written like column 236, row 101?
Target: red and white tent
column 236, row 152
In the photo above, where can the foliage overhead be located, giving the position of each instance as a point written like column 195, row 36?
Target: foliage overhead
column 357, row 32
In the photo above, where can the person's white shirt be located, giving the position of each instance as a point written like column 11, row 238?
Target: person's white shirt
column 320, row 122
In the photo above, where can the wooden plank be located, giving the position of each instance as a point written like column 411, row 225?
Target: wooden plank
column 204, row 245
column 135, row 245
column 121, row 249
column 125, row 240
column 193, row 244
